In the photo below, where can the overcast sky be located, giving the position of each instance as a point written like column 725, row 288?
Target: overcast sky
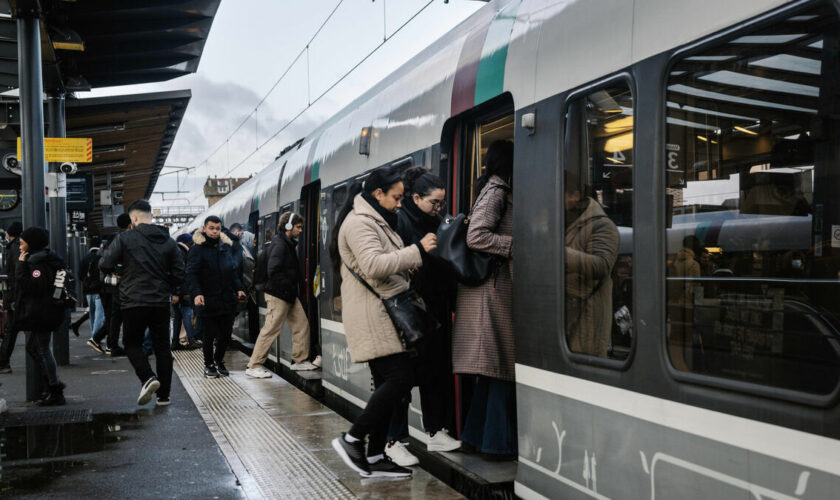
column 251, row 44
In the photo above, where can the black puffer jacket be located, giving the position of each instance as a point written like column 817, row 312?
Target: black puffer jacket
column 283, row 269
column 35, row 309
column 12, row 255
column 152, row 266
column 212, row 272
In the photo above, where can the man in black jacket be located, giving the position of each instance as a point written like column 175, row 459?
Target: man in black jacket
column 281, row 294
column 12, row 255
column 214, row 284
column 152, row 269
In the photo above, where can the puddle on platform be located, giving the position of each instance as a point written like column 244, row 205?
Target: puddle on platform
column 34, row 455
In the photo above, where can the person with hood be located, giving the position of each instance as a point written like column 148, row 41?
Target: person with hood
column 282, row 292
column 422, row 205
column 483, row 340
column 182, row 308
column 92, row 288
column 37, row 310
column 213, row 283
column 592, row 242
column 12, row 255
column 152, row 270
column 365, row 247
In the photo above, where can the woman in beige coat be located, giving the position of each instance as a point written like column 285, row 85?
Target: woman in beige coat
column 367, row 247
column 483, row 339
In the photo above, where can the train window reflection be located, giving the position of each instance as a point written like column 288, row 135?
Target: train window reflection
column 753, row 243
column 598, row 204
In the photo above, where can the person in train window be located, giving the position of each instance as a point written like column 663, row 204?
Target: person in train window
column 591, row 251
column 483, row 339
column 214, row 284
column 365, row 242
column 282, row 295
column 681, row 300
column 425, row 198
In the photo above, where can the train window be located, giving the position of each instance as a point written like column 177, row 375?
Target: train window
column 483, row 134
column 753, row 177
column 598, row 204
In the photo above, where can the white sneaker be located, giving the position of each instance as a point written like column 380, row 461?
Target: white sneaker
column 318, row 361
column 302, row 367
column 258, row 372
column 399, row 454
column 442, row 441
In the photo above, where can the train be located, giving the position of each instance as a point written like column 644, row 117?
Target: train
column 708, row 131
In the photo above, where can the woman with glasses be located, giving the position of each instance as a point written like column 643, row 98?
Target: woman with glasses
column 422, row 207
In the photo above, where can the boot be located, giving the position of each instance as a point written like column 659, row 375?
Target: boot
column 55, row 397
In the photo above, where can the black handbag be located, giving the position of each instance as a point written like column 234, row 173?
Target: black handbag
column 469, row 266
column 408, row 313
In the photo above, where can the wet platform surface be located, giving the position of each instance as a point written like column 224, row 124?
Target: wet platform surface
column 277, row 438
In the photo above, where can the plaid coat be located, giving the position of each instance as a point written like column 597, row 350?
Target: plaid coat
column 483, row 339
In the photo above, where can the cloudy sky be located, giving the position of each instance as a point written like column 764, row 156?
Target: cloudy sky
column 252, row 43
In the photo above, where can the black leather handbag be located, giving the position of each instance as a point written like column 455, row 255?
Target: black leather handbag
column 408, row 313
column 469, row 266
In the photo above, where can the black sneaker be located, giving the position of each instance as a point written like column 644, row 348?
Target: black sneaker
column 96, row 346
column 5, row 369
column 75, row 328
column 116, row 351
column 384, row 467
column 353, row 454
column 147, row 390
column 222, row 369
column 163, row 401
column 210, row 372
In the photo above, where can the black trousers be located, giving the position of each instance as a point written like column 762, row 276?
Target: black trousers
column 115, row 320
column 9, row 339
column 218, row 329
column 105, row 330
column 38, row 345
column 156, row 319
column 393, row 377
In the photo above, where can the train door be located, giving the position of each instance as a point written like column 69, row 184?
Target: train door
column 310, row 198
column 463, row 148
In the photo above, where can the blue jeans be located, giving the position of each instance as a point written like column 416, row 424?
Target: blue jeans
column 181, row 314
column 490, row 426
column 97, row 313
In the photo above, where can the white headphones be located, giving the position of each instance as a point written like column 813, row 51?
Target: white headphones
column 291, row 224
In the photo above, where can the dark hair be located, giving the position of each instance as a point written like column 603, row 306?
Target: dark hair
column 499, row 161
column 382, row 178
column 123, row 221
column 15, row 229
column 418, row 180
column 140, row 206
column 95, row 240
column 236, row 226
column 212, row 218
column 281, row 224
column 571, row 182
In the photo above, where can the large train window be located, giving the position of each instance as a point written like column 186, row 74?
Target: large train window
column 480, row 135
column 598, row 219
column 753, row 194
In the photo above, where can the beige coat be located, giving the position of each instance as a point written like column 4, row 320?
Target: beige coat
column 591, row 251
column 483, row 339
column 375, row 252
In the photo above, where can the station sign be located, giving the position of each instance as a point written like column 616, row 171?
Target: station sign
column 61, row 149
column 80, row 192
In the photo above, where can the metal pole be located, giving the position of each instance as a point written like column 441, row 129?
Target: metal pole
column 58, row 219
column 32, row 147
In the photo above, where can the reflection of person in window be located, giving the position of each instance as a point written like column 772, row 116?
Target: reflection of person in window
column 681, row 300
column 591, row 251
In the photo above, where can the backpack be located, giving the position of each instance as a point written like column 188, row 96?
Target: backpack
column 92, row 283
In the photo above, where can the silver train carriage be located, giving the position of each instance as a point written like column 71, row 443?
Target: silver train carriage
column 722, row 374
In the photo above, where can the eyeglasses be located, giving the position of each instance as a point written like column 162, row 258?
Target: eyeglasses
column 436, row 204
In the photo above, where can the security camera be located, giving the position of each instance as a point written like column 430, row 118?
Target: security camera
column 68, row 168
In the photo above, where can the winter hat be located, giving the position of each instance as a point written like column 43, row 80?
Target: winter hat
column 15, row 229
column 36, row 238
column 185, row 238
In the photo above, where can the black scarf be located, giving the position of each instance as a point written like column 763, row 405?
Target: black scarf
column 210, row 242
column 420, row 219
column 390, row 217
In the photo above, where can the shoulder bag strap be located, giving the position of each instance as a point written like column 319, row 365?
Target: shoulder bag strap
column 365, row 283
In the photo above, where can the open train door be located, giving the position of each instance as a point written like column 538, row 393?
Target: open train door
column 310, row 198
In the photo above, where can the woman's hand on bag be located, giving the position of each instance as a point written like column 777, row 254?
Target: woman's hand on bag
column 199, row 300
column 429, row 242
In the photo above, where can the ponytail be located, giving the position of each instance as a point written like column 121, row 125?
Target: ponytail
column 418, row 180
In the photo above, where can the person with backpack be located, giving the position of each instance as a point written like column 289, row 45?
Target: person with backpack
column 92, row 288
column 40, row 306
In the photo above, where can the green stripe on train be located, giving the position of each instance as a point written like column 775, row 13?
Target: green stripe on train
column 490, row 78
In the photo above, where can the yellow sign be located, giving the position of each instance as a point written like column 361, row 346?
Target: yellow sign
column 58, row 149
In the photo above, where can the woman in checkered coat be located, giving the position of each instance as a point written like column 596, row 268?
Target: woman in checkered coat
column 483, row 339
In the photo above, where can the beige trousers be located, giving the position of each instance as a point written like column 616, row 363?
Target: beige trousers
column 280, row 311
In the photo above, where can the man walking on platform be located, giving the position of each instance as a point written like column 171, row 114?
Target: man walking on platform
column 281, row 294
column 152, row 269
column 12, row 256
